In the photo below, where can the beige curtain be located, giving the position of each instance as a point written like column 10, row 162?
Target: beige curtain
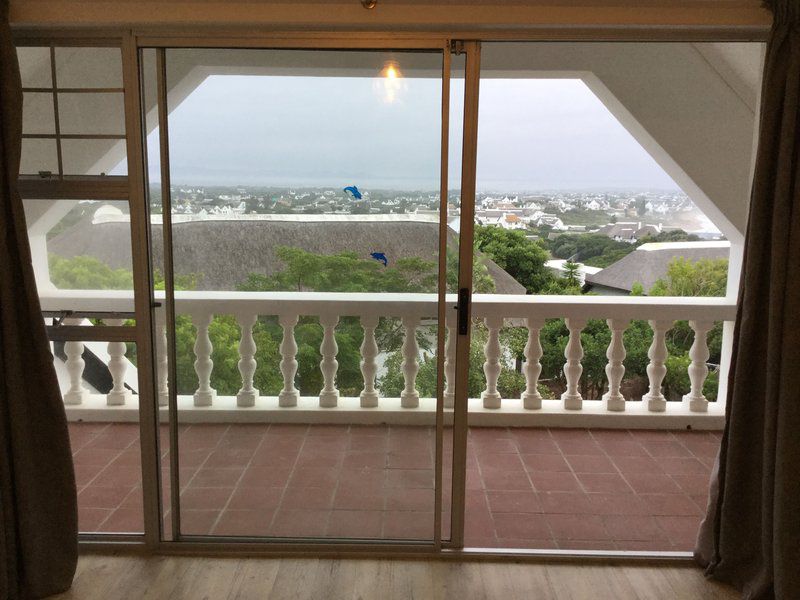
column 38, row 505
column 751, row 535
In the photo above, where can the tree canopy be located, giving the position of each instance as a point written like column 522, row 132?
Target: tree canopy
column 520, row 257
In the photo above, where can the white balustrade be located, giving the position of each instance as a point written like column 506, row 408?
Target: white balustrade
column 698, row 370
column 613, row 398
column 572, row 398
column 656, row 369
column 369, row 367
column 76, row 393
column 409, row 397
column 412, row 310
column 117, row 366
column 329, row 396
column 450, row 363
column 531, row 398
column 289, row 394
column 491, row 367
column 248, row 394
column 203, row 365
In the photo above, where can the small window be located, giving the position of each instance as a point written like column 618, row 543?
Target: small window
column 73, row 111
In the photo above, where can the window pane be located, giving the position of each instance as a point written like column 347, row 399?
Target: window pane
column 91, row 113
column 79, row 245
column 94, row 157
column 88, row 67
column 34, row 67
column 38, row 155
column 37, row 113
column 107, row 455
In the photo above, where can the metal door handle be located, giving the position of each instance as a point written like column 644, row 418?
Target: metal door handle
column 463, row 311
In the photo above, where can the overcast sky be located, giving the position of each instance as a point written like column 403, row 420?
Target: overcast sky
column 533, row 135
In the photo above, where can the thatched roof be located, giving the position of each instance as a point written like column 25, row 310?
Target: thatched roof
column 649, row 262
column 227, row 251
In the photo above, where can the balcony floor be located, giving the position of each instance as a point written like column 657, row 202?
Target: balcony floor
column 526, row 488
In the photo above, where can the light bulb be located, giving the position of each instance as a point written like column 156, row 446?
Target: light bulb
column 391, row 83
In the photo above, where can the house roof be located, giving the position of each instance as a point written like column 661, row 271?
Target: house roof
column 649, row 262
column 226, row 251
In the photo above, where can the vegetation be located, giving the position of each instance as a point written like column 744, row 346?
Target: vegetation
column 346, row 272
column 520, row 257
column 598, row 250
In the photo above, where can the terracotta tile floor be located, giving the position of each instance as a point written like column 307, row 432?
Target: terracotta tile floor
column 526, row 488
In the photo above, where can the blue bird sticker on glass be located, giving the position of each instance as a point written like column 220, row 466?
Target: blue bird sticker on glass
column 380, row 257
column 353, row 192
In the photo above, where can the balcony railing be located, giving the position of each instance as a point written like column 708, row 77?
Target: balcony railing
column 413, row 310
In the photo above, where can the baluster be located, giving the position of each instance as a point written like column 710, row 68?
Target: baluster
column 289, row 394
column 531, row 398
column 409, row 397
column 203, row 365
column 656, row 369
column 450, row 364
column 248, row 394
column 698, row 370
column 162, row 355
column 117, row 366
column 74, row 364
column 491, row 366
column 329, row 396
column 369, row 368
column 572, row 398
column 615, row 368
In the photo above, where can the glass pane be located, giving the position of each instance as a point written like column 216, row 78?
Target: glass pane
column 38, row 115
column 106, row 453
column 80, row 245
column 38, row 156
column 89, row 67
column 153, row 190
column 94, row 157
column 618, row 177
column 316, row 173
column 34, row 67
column 91, row 113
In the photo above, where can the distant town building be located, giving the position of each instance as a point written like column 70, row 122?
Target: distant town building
column 629, row 231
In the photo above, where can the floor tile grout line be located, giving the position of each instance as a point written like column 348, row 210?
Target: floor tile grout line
column 199, row 467
column 238, row 481
column 108, row 465
column 279, row 505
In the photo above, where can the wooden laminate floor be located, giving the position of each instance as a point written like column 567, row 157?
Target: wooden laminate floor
column 118, row 577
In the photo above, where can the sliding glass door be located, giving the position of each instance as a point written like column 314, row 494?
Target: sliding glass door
column 299, row 204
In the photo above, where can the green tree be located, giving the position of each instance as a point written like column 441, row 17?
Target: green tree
column 520, row 257
column 87, row 273
column 684, row 277
column 572, row 273
column 687, row 278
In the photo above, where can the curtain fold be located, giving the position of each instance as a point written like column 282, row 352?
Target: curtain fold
column 751, row 535
column 38, row 500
